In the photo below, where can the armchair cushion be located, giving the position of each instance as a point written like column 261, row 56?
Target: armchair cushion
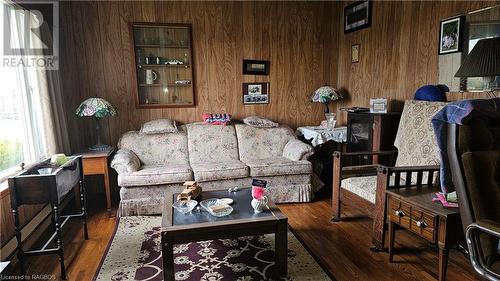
column 415, row 139
column 278, row 166
column 125, row 161
column 364, row 187
column 210, row 171
column 296, row 150
column 157, row 174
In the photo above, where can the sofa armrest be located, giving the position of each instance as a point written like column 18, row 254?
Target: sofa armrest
column 296, row 150
column 125, row 161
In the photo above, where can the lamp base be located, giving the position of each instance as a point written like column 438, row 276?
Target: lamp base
column 100, row 147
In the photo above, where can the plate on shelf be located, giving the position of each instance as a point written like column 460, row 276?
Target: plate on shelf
column 207, row 204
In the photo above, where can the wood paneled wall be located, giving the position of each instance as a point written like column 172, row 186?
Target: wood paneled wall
column 399, row 52
column 303, row 40
column 300, row 40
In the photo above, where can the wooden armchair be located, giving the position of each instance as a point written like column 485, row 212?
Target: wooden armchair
column 364, row 186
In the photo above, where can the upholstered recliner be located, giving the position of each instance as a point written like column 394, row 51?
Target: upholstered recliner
column 363, row 187
column 474, row 157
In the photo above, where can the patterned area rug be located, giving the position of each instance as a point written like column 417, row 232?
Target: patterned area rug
column 135, row 254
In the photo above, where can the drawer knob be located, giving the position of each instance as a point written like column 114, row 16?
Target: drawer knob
column 399, row 213
column 421, row 224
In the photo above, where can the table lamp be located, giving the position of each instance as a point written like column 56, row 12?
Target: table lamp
column 325, row 95
column 98, row 108
column 483, row 61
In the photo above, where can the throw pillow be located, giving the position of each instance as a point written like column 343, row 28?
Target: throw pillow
column 159, row 126
column 125, row 161
column 259, row 122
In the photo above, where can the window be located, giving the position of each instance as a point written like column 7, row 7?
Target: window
column 21, row 127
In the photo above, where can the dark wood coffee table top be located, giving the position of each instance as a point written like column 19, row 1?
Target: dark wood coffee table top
column 178, row 228
column 242, row 213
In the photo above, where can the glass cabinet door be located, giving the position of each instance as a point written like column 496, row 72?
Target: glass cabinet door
column 164, row 66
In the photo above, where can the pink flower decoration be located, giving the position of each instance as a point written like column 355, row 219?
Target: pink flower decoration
column 257, row 192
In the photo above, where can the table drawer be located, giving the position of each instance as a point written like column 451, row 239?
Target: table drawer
column 94, row 166
column 399, row 212
column 424, row 224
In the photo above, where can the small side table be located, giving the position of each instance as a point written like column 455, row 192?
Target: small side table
column 97, row 163
column 319, row 135
column 412, row 209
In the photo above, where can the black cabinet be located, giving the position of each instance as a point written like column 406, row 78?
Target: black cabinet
column 371, row 131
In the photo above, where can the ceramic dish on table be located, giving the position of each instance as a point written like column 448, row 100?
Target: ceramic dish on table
column 209, row 203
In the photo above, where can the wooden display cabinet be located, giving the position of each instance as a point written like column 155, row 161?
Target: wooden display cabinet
column 163, row 63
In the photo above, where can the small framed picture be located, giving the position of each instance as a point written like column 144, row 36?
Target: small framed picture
column 256, row 67
column 355, row 53
column 357, row 15
column 450, row 35
column 256, row 93
column 379, row 105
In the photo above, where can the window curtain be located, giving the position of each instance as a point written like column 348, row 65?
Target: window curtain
column 52, row 104
column 45, row 85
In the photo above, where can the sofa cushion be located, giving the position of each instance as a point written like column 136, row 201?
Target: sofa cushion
column 211, row 143
column 155, row 175
column 209, row 171
column 278, row 166
column 157, row 149
column 159, row 126
column 262, row 143
column 259, row 122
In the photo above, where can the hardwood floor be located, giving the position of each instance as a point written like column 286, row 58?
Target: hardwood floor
column 341, row 248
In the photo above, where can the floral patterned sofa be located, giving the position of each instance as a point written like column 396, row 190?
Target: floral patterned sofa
column 152, row 166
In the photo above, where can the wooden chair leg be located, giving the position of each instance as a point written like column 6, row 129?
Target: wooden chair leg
column 392, row 237
column 379, row 216
column 336, row 203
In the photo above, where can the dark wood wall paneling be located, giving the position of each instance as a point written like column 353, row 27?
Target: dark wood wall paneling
column 399, row 52
column 303, row 40
column 26, row 213
column 298, row 38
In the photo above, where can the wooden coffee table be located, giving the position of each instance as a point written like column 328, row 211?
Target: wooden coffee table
column 243, row 221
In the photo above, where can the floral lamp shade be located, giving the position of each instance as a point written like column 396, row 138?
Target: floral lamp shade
column 95, row 107
column 98, row 108
column 325, row 95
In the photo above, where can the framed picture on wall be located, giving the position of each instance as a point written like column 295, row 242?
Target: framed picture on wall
column 355, row 53
column 256, row 67
column 357, row 15
column 256, row 93
column 450, row 35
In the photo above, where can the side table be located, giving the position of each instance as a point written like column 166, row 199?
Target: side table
column 325, row 143
column 46, row 183
column 412, row 209
column 97, row 163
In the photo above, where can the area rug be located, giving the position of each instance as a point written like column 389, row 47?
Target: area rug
column 135, row 254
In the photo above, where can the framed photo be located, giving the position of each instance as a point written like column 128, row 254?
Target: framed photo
column 256, row 93
column 379, row 105
column 450, row 35
column 355, row 53
column 357, row 15
column 256, row 67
